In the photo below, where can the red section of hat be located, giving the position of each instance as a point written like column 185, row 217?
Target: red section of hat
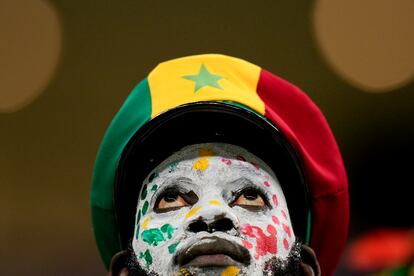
column 304, row 125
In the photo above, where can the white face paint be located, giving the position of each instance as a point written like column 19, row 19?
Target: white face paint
column 212, row 201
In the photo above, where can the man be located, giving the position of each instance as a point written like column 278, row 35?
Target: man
column 214, row 166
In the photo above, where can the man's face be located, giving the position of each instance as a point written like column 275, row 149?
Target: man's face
column 212, row 209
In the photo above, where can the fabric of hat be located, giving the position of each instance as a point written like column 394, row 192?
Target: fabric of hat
column 215, row 77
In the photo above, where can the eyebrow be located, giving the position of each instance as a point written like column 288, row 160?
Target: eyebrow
column 237, row 185
column 242, row 183
column 171, row 183
column 242, row 180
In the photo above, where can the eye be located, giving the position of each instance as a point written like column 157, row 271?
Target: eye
column 169, row 201
column 250, row 198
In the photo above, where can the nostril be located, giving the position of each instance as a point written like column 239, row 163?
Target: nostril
column 222, row 225
column 197, row 226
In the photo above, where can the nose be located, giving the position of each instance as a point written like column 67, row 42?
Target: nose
column 214, row 218
column 219, row 224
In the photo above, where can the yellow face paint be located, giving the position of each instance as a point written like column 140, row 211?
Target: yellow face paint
column 184, row 272
column 145, row 223
column 230, row 271
column 214, row 202
column 201, row 164
column 206, row 152
column 192, row 212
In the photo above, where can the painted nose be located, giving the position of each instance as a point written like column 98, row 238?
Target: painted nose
column 219, row 224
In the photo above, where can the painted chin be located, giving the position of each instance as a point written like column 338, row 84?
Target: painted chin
column 213, row 252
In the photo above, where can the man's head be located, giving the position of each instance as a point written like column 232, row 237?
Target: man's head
column 211, row 206
column 214, row 152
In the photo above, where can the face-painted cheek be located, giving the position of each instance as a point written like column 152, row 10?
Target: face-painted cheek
column 264, row 242
column 247, row 244
column 267, row 240
column 158, row 241
column 145, row 222
column 173, row 247
column 146, row 255
column 154, row 236
column 151, row 239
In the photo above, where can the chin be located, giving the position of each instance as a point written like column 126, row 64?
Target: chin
column 216, row 259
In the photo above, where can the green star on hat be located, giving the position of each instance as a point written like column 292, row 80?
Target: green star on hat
column 204, row 78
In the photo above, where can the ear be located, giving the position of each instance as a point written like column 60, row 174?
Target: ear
column 118, row 265
column 309, row 264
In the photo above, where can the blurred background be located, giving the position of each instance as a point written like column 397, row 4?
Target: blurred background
column 67, row 66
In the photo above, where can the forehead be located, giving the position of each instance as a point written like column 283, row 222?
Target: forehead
column 212, row 161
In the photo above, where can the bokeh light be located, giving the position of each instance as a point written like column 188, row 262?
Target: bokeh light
column 30, row 45
column 368, row 43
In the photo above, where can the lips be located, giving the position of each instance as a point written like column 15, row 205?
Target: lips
column 213, row 251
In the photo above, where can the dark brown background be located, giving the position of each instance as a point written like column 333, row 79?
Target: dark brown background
column 48, row 146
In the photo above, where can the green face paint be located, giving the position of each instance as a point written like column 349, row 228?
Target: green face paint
column 144, row 192
column 145, row 208
column 152, row 236
column 154, row 188
column 173, row 247
column 168, row 229
column 173, row 166
column 147, row 257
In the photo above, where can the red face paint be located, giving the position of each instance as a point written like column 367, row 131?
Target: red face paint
column 286, row 228
column 275, row 219
column 226, row 161
column 264, row 244
column 285, row 244
column 284, row 214
column 275, row 201
column 247, row 244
